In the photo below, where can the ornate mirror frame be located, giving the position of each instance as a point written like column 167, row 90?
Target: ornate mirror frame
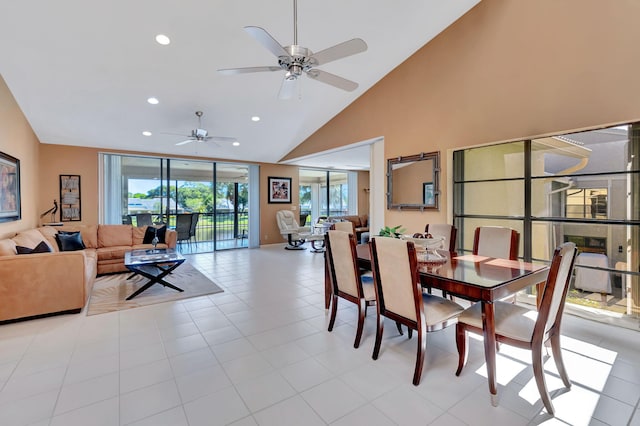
column 417, row 184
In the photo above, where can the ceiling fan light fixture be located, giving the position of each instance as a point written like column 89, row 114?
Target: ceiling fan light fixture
column 163, row 39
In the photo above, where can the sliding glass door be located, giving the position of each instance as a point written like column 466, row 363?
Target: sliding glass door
column 214, row 196
column 326, row 193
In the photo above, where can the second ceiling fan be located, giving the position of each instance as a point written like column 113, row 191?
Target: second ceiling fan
column 296, row 59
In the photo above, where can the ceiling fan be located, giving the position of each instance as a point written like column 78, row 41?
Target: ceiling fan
column 201, row 135
column 296, row 59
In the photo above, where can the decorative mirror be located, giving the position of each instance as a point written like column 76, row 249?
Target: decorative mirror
column 413, row 181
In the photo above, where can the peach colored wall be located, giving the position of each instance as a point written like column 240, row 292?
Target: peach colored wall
column 18, row 140
column 61, row 159
column 269, row 231
column 504, row 71
column 363, row 192
column 56, row 160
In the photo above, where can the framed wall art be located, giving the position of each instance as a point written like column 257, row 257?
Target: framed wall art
column 279, row 190
column 9, row 188
column 70, row 198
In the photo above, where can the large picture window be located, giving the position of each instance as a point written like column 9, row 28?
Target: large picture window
column 581, row 187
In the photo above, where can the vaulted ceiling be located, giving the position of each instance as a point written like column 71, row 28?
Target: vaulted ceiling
column 82, row 71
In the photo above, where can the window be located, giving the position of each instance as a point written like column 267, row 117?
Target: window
column 581, row 187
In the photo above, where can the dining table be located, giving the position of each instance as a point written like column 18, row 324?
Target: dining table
column 475, row 278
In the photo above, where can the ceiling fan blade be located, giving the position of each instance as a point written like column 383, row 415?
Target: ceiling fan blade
column 221, row 139
column 333, row 80
column 339, row 51
column 184, row 142
column 230, row 71
column 289, row 89
column 264, row 38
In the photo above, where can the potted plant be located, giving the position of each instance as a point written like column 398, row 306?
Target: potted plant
column 394, row 232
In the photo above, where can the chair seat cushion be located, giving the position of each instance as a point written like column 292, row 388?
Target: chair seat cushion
column 438, row 309
column 511, row 320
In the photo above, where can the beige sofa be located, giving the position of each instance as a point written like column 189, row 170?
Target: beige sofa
column 39, row 284
column 360, row 223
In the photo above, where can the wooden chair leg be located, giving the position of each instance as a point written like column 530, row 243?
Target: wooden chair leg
column 538, row 373
column 362, row 309
column 409, row 333
column 334, row 310
column 399, row 326
column 461, row 344
column 557, row 357
column 422, row 348
column 379, row 330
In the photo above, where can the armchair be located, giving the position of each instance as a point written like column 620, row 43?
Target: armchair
column 295, row 234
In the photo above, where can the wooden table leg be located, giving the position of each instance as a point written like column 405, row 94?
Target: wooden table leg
column 489, row 329
column 327, row 283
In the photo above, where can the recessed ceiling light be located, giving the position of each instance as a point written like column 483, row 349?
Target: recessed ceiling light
column 255, row 118
column 163, row 39
column 236, row 143
column 147, row 133
column 153, row 101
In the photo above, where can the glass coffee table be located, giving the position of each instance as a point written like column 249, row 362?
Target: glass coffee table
column 154, row 265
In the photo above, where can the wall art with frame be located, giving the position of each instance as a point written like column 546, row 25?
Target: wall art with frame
column 70, row 198
column 279, row 190
column 9, row 188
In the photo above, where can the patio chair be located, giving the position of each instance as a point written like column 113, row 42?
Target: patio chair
column 400, row 298
column 183, row 227
column 345, row 278
column 192, row 228
column 144, row 219
column 525, row 328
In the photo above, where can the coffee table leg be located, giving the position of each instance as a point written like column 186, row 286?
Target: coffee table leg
column 156, row 279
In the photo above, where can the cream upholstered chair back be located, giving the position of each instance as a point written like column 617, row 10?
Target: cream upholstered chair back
column 341, row 258
column 496, row 241
column 445, row 230
column 395, row 278
column 287, row 223
column 556, row 287
column 345, row 226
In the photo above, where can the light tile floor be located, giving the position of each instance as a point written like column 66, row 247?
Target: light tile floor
column 260, row 354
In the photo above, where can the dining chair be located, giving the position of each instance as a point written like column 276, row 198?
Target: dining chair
column 449, row 232
column 496, row 241
column 525, row 328
column 345, row 277
column 345, row 226
column 400, row 298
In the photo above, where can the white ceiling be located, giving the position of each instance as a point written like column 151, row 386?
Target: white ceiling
column 82, row 70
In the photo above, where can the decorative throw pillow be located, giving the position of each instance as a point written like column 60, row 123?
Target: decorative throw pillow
column 69, row 241
column 151, row 232
column 42, row 247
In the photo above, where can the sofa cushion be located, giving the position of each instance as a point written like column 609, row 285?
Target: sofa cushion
column 151, row 232
column 89, row 233
column 29, row 238
column 40, row 248
column 7, row 247
column 69, row 241
column 114, row 235
column 112, row 253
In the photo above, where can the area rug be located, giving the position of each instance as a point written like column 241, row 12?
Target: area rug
column 110, row 291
